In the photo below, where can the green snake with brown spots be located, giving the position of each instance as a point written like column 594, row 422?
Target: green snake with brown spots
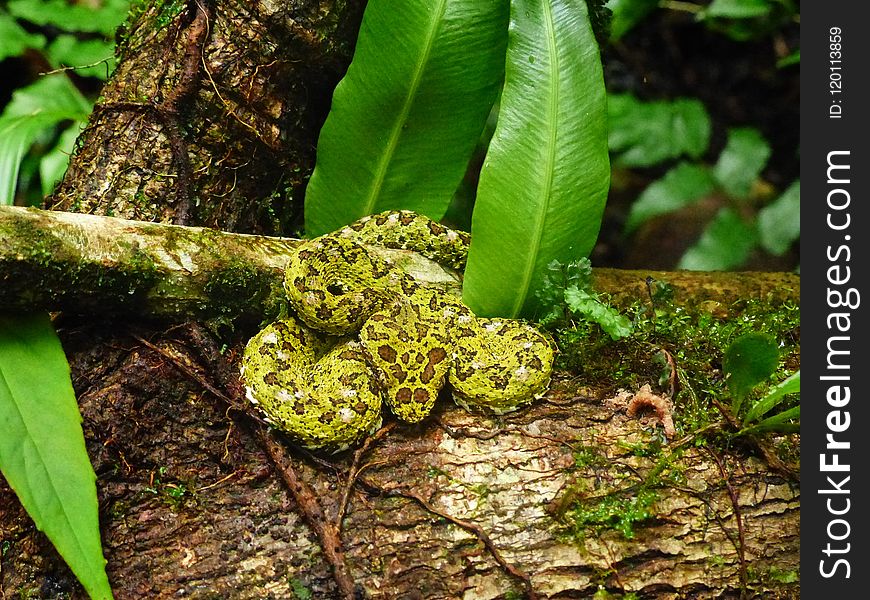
column 365, row 333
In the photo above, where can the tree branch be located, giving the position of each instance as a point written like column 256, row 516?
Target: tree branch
column 101, row 265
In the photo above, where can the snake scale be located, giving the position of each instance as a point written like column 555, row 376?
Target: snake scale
column 364, row 334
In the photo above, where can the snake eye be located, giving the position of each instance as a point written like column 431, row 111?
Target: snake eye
column 335, row 289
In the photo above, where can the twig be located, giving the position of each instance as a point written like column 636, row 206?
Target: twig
column 306, row 500
column 473, row 528
column 355, row 470
column 735, row 503
column 169, row 109
column 185, row 369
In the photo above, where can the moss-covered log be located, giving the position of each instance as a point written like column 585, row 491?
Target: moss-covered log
column 97, row 265
column 93, row 265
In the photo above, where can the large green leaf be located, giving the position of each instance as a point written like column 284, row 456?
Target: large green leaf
column 748, row 361
column 779, row 223
column 741, row 161
column 88, row 58
column 53, row 165
column 33, row 110
column 647, row 133
column 14, row 39
column 545, row 178
column 627, row 14
column 73, row 16
column 42, row 449
column 725, row 244
column 737, row 9
column 683, row 185
column 407, row 115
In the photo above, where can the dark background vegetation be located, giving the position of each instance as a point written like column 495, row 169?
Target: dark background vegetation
column 670, row 54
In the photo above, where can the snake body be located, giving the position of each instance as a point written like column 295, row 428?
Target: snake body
column 365, row 333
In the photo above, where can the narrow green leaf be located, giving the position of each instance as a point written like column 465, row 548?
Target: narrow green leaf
column 737, row 9
column 545, row 177
column 407, row 115
column 792, row 59
column 647, row 133
column 741, row 161
column 725, row 244
column 42, row 448
column 772, row 399
column 627, row 14
column 778, row 422
column 14, row 39
column 779, row 223
column 749, row 360
column 89, row 58
column 79, row 16
column 683, row 185
column 33, row 110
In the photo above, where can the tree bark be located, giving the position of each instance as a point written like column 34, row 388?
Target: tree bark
column 211, row 119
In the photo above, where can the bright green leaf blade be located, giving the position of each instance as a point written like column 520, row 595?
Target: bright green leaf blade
column 546, row 174
column 88, row 58
column 792, row 59
column 725, row 244
column 771, row 400
column 647, row 133
column 407, row 115
column 72, row 16
column 779, row 223
column 737, row 9
column 683, row 185
column 627, row 14
column 749, row 360
column 14, row 39
column 42, row 449
column 53, row 165
column 741, row 161
column 778, row 422
column 33, row 110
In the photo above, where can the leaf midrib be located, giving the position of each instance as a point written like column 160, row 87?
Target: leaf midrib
column 549, row 163
column 383, row 163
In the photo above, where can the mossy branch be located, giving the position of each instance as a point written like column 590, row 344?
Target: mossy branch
column 97, row 265
column 103, row 265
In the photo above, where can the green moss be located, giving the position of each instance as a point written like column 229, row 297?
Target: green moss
column 618, row 512
column 694, row 338
column 671, row 344
column 300, row 590
column 624, row 500
column 234, row 287
column 175, row 494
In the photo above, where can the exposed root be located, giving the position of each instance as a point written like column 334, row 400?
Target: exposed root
column 355, row 470
column 738, row 517
column 306, row 500
column 472, row 528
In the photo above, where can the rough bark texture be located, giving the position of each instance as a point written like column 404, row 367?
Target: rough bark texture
column 211, row 119
column 212, row 115
column 192, row 507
